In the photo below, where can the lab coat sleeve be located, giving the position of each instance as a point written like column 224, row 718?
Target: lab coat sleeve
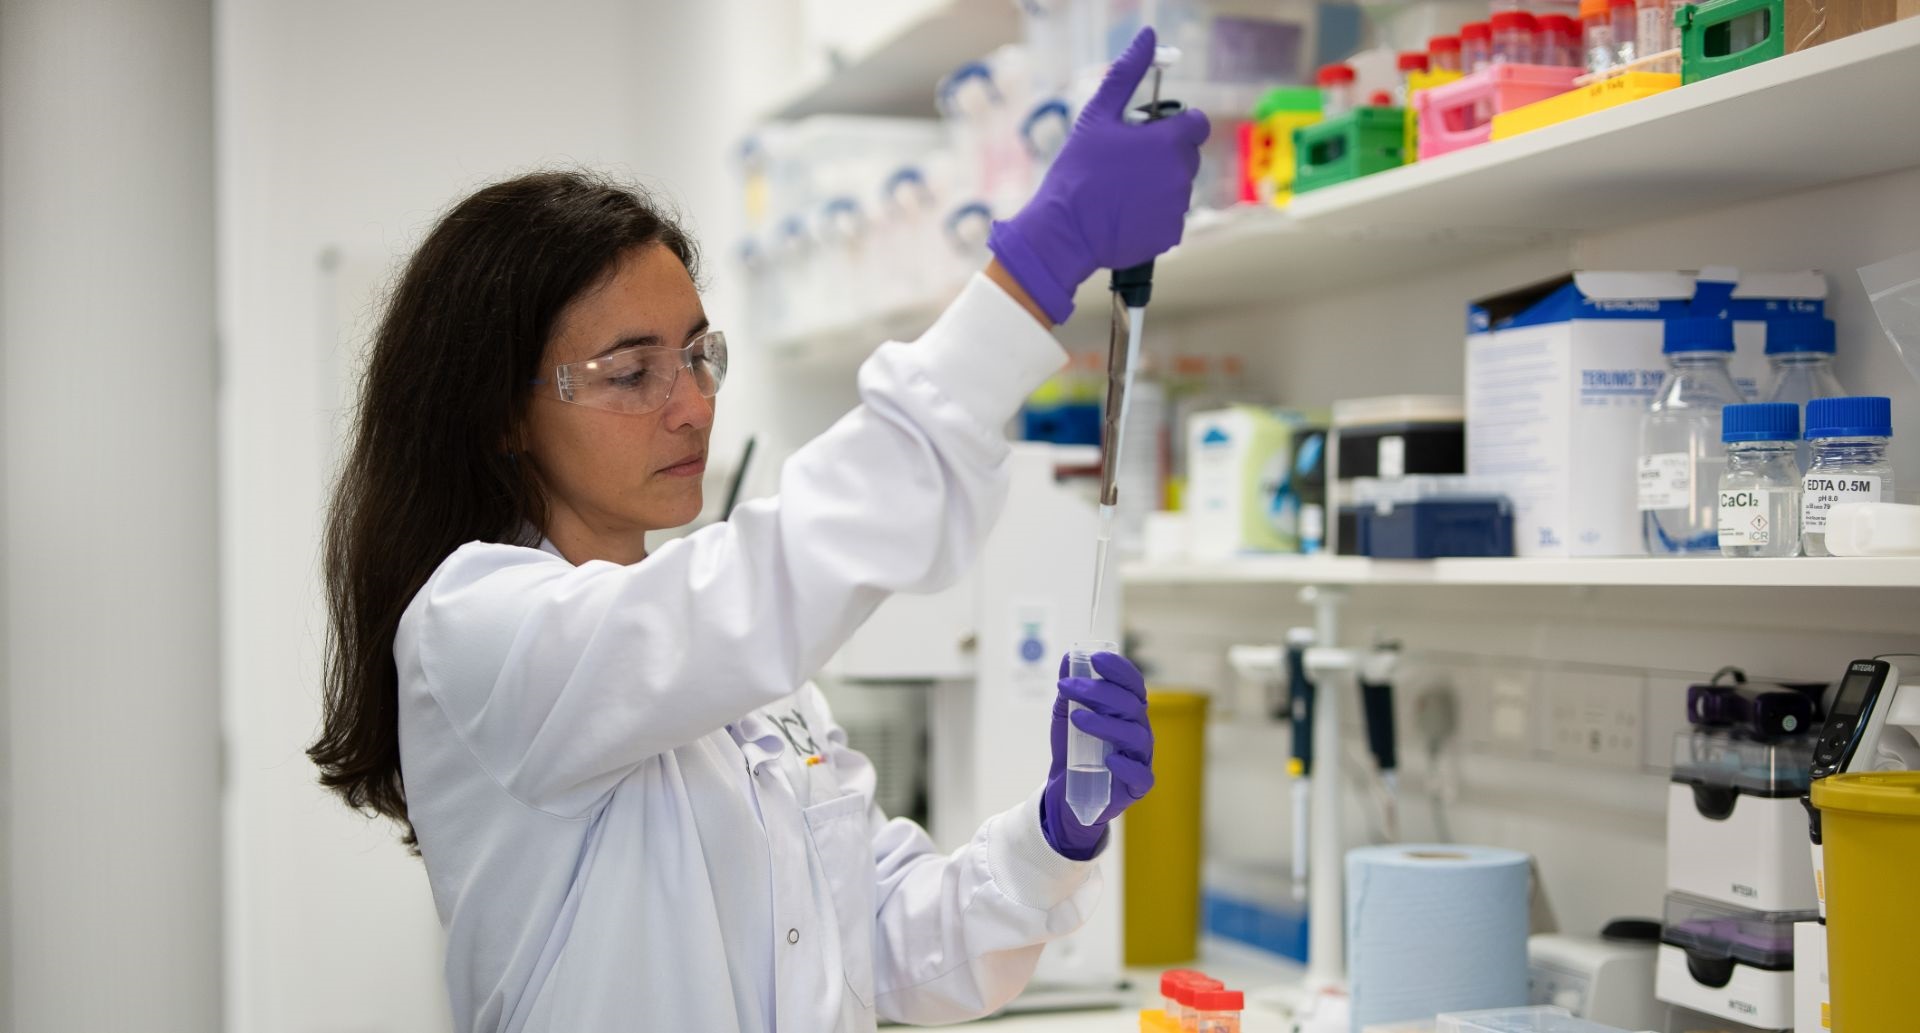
column 957, row 935
column 561, row 679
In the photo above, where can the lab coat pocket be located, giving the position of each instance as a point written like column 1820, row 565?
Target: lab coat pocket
column 843, row 840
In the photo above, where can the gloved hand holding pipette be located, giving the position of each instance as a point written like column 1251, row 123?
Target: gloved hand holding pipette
column 1115, row 197
column 1103, row 706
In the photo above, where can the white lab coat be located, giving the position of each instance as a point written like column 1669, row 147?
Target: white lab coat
column 635, row 813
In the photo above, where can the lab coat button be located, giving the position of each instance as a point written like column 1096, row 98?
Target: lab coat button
column 793, row 936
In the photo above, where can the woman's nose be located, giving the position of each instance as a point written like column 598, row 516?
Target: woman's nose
column 686, row 407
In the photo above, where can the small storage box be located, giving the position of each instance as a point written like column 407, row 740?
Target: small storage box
column 1459, row 115
column 1423, row 518
column 1736, row 831
column 1275, row 118
column 1720, row 36
column 1359, row 143
column 1417, row 83
column 1583, row 100
column 1728, row 962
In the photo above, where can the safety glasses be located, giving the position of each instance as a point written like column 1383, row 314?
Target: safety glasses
column 641, row 380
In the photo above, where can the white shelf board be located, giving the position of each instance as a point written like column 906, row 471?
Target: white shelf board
column 1704, row 572
column 897, row 75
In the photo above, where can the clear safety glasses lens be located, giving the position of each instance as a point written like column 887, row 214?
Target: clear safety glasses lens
column 640, row 380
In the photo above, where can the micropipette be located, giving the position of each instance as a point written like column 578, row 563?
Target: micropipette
column 1089, row 785
column 1132, row 288
column 1300, row 701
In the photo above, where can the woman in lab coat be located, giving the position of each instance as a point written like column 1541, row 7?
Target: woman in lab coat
column 635, row 812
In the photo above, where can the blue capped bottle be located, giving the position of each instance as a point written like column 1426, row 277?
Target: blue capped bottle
column 1760, row 490
column 1850, row 463
column 1681, row 455
column 1800, row 355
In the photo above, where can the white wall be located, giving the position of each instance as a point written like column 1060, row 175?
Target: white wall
column 343, row 129
column 112, row 862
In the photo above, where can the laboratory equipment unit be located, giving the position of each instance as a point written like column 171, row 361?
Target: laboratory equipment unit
column 1736, row 831
column 1387, row 439
column 1606, row 978
column 1727, row 961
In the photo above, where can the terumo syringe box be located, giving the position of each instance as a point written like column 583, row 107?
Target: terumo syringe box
column 1559, row 373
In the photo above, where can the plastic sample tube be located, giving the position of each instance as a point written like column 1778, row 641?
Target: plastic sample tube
column 1558, row 41
column 1336, row 90
column 1089, row 783
column 1409, row 62
column 1218, row 1011
column 1443, row 54
column 1513, row 38
column 1476, row 46
column 1597, row 37
column 1624, row 19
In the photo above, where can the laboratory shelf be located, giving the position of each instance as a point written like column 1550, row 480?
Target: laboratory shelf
column 1825, row 115
column 1705, row 572
column 896, row 75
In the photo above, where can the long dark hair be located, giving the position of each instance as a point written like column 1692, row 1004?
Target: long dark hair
column 430, row 466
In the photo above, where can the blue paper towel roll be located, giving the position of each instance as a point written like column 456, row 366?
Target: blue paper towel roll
column 1435, row 928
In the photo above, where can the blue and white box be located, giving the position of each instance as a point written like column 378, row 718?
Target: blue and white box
column 1559, row 373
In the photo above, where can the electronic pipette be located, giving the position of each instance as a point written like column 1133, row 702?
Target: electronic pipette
column 1132, row 288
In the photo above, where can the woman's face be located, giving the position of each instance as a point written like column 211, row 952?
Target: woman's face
column 611, row 477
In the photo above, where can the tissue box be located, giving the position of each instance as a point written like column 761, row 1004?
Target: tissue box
column 1559, row 374
column 1237, row 459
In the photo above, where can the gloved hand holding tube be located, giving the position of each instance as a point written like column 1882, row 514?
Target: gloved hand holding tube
column 1116, row 196
column 1110, row 706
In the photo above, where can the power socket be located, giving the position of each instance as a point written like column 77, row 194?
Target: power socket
column 1595, row 718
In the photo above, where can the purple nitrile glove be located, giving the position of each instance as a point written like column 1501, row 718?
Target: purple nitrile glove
column 1116, row 703
column 1115, row 197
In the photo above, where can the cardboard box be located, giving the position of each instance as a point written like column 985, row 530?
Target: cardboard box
column 1812, row 22
column 1236, row 459
column 1559, row 374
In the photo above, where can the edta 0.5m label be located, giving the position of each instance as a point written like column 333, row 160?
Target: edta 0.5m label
column 1823, row 491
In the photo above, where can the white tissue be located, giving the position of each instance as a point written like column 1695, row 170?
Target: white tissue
column 1435, row 928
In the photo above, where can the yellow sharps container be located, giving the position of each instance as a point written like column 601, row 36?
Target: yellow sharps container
column 1870, row 835
column 1163, row 836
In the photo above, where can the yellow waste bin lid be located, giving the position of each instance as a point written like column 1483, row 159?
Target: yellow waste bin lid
column 1175, row 700
column 1895, row 793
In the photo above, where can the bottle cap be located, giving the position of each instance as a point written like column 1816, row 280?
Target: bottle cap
column 1593, row 9
column 1510, row 21
column 1787, row 336
column 1443, row 45
column 1333, row 75
column 1558, row 24
column 1380, row 99
column 1173, row 978
column 1868, row 416
column 1760, row 421
column 1412, row 61
column 1620, row 3
column 1220, row 1000
column 1698, row 334
column 1476, row 30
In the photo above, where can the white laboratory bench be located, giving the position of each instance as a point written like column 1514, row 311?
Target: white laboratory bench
column 1238, row 967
